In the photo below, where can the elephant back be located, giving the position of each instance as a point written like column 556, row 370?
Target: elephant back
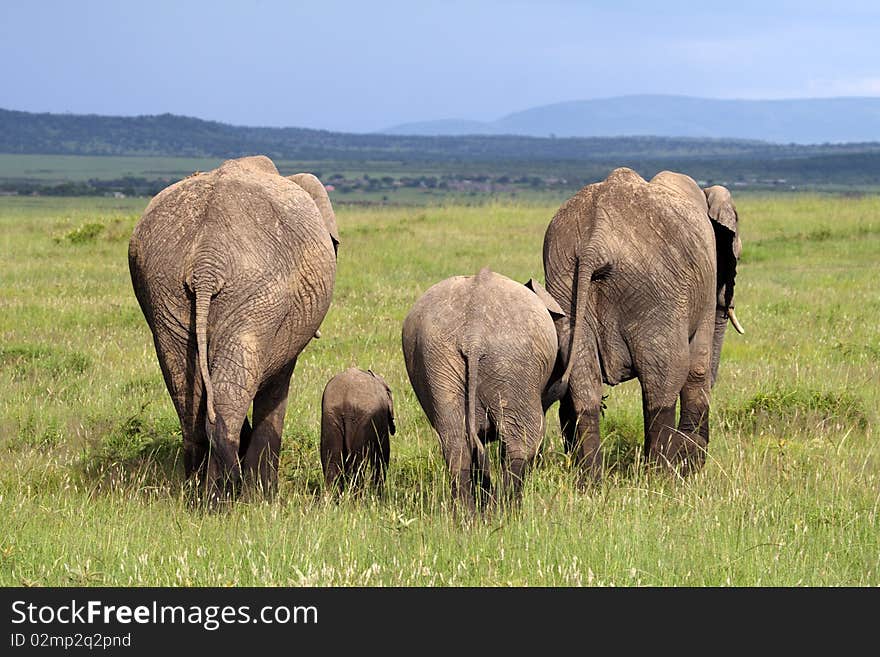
column 683, row 185
column 355, row 391
column 243, row 213
column 488, row 313
column 251, row 239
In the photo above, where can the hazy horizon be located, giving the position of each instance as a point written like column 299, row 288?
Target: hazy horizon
column 453, row 118
column 363, row 68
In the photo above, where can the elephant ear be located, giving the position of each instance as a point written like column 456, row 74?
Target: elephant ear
column 722, row 211
column 548, row 301
column 391, row 428
column 318, row 192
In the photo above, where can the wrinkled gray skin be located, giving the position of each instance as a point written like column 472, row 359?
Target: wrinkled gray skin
column 357, row 417
column 234, row 272
column 645, row 272
column 479, row 351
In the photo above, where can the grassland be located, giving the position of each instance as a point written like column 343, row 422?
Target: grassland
column 80, row 168
column 90, row 483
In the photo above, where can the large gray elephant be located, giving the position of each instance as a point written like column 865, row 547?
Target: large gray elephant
column 479, row 352
column 645, row 272
column 234, row 272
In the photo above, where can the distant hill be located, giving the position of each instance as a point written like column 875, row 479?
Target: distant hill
column 539, row 161
column 181, row 136
column 800, row 121
column 446, row 128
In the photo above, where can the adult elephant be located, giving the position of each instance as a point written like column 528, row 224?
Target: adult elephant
column 479, row 352
column 234, row 271
column 645, row 272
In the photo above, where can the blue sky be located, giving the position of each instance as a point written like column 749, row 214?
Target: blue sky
column 362, row 66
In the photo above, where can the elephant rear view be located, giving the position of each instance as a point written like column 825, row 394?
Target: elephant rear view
column 234, row 272
column 645, row 272
column 357, row 417
column 479, row 353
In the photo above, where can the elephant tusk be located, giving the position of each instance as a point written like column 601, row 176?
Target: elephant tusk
column 733, row 320
column 318, row 333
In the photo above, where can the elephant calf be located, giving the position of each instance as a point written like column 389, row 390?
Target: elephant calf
column 480, row 351
column 357, row 416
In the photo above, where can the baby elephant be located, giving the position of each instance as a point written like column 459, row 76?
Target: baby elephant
column 480, row 353
column 357, row 415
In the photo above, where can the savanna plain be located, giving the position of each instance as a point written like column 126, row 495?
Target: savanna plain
column 91, row 483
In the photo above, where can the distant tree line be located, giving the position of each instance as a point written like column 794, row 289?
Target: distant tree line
column 127, row 186
column 179, row 136
column 470, row 163
column 829, row 171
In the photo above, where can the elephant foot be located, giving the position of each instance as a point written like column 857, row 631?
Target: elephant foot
column 590, row 467
column 589, row 478
column 678, row 452
column 221, row 495
column 463, row 493
column 219, row 487
column 667, row 448
column 256, row 492
column 512, row 481
column 260, row 486
column 588, row 454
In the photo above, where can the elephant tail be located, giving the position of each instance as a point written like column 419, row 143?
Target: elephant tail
column 585, row 270
column 472, row 361
column 203, row 303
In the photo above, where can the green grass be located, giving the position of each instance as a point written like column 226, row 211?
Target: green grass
column 79, row 168
column 50, row 170
column 91, row 485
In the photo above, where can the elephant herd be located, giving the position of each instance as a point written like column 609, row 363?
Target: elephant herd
column 234, row 271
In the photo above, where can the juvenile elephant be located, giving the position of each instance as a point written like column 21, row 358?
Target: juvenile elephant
column 479, row 352
column 357, row 417
column 645, row 272
column 234, row 272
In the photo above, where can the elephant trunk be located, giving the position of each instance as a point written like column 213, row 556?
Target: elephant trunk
column 728, row 248
column 721, row 319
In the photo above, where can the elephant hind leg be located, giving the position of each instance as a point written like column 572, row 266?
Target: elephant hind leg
column 244, row 439
column 568, row 423
column 665, row 445
column 693, row 425
column 263, row 454
column 380, row 456
column 662, row 442
column 233, row 374
column 195, row 459
column 481, row 475
column 460, row 463
column 332, row 452
column 223, row 474
column 352, row 469
column 521, row 441
column 662, row 377
column 177, row 359
column 579, row 413
column 689, row 455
